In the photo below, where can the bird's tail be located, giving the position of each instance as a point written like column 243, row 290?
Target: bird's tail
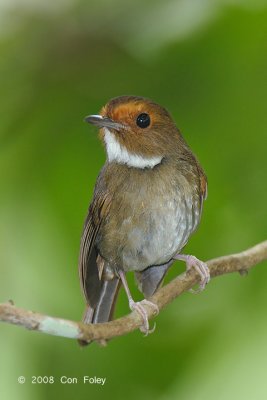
column 103, row 310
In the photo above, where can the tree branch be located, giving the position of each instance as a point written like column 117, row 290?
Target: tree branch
column 240, row 262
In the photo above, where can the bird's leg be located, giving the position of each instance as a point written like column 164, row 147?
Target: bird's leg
column 138, row 306
column 201, row 268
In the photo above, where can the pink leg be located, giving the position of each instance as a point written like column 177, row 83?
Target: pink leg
column 201, row 268
column 138, row 306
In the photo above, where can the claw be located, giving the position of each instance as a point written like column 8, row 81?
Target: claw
column 200, row 267
column 138, row 306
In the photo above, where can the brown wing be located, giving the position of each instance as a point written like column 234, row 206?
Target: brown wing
column 203, row 184
column 90, row 264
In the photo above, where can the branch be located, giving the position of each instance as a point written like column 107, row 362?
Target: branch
column 240, row 262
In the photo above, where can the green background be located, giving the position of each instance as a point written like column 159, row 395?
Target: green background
column 206, row 62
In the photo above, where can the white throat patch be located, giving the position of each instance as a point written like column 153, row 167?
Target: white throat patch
column 117, row 152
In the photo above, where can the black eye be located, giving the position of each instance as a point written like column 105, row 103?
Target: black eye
column 143, row 120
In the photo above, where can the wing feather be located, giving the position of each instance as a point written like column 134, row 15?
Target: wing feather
column 88, row 260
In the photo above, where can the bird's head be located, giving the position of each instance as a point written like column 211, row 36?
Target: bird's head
column 136, row 131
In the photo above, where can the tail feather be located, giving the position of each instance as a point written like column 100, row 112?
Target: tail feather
column 104, row 309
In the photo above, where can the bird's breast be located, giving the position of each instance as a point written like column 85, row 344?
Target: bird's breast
column 149, row 221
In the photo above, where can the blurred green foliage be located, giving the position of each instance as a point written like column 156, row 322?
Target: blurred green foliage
column 55, row 68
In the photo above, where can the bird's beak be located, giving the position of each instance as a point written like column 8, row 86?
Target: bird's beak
column 103, row 122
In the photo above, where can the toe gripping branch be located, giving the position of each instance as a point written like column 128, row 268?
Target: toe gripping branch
column 191, row 262
column 139, row 306
column 199, row 266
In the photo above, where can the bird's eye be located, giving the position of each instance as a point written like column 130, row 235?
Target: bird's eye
column 143, row 120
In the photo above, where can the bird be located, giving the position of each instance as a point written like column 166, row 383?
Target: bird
column 147, row 202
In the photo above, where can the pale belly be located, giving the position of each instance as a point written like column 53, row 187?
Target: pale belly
column 167, row 230
column 151, row 234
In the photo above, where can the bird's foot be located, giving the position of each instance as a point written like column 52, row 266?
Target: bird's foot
column 200, row 267
column 139, row 307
